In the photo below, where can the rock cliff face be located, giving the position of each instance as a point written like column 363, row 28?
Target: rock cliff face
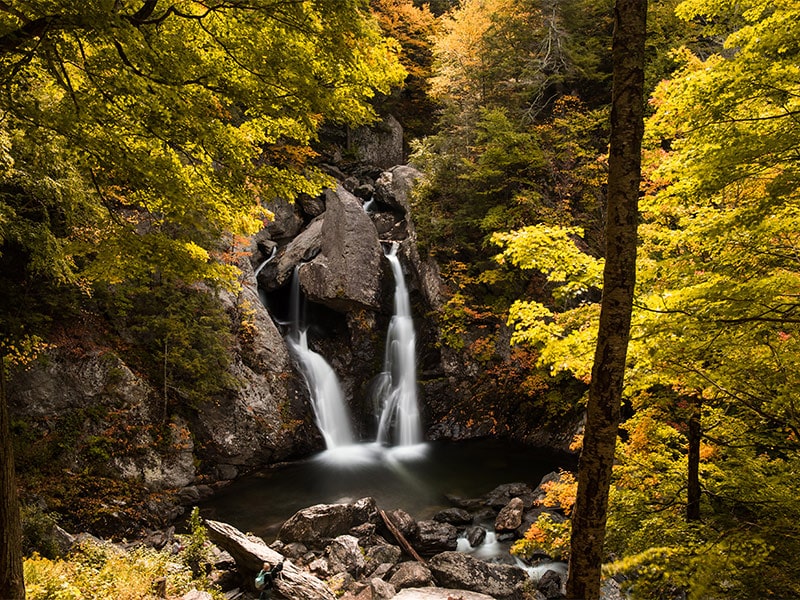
column 336, row 244
column 119, row 424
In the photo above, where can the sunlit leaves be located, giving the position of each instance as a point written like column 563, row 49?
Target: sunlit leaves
column 167, row 112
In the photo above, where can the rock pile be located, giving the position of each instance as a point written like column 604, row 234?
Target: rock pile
column 359, row 552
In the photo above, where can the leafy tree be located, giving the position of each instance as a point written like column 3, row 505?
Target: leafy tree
column 619, row 276
column 415, row 28
column 137, row 135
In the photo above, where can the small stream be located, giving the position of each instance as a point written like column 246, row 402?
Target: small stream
column 415, row 478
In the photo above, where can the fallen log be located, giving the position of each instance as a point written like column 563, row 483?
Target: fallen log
column 251, row 552
column 404, row 544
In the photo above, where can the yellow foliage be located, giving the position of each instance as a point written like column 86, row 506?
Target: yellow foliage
column 561, row 492
column 103, row 571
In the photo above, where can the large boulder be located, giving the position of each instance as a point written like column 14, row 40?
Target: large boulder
column 250, row 553
column 97, row 389
column 346, row 275
column 465, row 572
column 434, row 537
column 394, row 186
column 286, row 221
column 303, row 247
column 317, row 525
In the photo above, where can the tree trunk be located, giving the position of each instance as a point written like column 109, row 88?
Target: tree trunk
column 619, row 276
column 12, row 584
column 693, row 469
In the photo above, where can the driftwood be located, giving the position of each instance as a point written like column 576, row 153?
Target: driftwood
column 251, row 552
column 401, row 538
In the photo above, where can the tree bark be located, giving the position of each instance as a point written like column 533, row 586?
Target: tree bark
column 619, row 277
column 12, row 584
column 693, row 459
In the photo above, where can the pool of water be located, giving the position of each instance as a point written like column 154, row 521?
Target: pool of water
column 415, row 478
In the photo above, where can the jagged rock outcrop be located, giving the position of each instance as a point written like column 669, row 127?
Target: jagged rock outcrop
column 97, row 393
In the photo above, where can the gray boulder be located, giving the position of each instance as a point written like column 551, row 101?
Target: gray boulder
column 250, row 553
column 317, row 525
column 502, row 495
column 346, row 275
column 454, row 516
column 394, row 186
column 286, row 221
column 464, row 572
column 434, row 537
column 383, row 553
column 475, row 535
column 380, row 144
column 404, row 522
column 303, row 247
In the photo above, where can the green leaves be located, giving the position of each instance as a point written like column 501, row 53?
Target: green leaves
column 163, row 118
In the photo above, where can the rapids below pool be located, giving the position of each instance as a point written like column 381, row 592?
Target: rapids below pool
column 415, row 478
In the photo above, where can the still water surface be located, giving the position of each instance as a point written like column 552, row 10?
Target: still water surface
column 414, row 478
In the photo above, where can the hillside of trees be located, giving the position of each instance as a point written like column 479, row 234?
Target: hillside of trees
column 141, row 143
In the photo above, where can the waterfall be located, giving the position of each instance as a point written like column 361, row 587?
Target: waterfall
column 397, row 387
column 266, row 262
column 327, row 399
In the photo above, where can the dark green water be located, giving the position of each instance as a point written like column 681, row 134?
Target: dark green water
column 416, row 479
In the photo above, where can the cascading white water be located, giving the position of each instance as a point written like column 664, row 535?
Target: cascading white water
column 327, row 399
column 397, row 387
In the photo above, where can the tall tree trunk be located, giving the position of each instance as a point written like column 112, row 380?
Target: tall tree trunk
column 619, row 276
column 693, row 469
column 12, row 585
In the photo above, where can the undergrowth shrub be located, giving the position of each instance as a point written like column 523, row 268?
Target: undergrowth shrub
column 102, row 570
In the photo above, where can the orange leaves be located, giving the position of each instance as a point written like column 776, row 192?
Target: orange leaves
column 561, row 492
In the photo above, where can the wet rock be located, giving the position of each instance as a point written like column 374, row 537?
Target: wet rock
column 465, row 572
column 502, row 495
column 475, row 535
column 510, row 516
column 551, row 585
column 317, row 525
column 433, row 537
column 404, row 522
column 454, row 516
column 411, row 574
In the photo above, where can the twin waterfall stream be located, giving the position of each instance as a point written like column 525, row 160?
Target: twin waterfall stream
column 396, row 406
